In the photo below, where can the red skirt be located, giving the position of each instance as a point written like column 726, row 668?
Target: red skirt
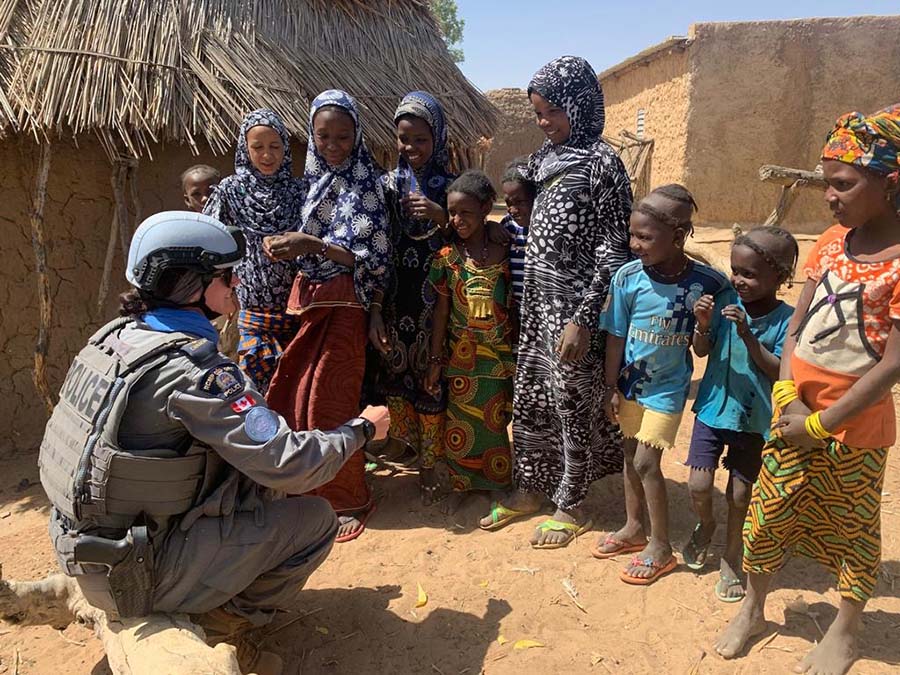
column 318, row 382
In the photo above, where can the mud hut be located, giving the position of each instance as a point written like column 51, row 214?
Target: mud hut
column 516, row 133
column 103, row 103
column 729, row 97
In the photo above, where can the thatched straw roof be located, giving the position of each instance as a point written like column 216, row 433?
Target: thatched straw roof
column 136, row 72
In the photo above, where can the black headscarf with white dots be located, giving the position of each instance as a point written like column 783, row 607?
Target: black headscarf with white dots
column 570, row 83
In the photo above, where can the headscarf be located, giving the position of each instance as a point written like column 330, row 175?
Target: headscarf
column 261, row 206
column 435, row 175
column 345, row 207
column 570, row 83
column 871, row 142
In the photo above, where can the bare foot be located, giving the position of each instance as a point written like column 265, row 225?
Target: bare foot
column 629, row 535
column 556, row 537
column 453, row 502
column 429, row 487
column 833, row 656
column 748, row 623
column 658, row 552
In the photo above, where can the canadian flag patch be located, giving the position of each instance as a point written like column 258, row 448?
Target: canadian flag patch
column 243, row 404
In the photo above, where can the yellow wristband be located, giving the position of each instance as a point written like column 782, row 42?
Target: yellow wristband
column 815, row 428
column 784, row 392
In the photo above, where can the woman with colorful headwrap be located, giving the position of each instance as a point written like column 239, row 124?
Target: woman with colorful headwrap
column 578, row 238
column 416, row 195
column 343, row 252
column 819, row 491
column 263, row 198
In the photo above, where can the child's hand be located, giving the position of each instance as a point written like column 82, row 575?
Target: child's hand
column 433, row 379
column 418, row 206
column 738, row 317
column 498, row 234
column 290, row 245
column 377, row 332
column 574, row 342
column 792, row 429
column 611, row 404
column 703, row 310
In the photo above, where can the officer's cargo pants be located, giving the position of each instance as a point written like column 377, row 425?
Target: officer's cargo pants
column 255, row 569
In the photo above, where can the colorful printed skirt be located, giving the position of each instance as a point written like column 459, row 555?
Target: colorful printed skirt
column 422, row 432
column 319, row 378
column 479, row 410
column 824, row 504
column 264, row 335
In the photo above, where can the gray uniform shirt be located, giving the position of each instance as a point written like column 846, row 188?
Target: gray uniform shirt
column 198, row 395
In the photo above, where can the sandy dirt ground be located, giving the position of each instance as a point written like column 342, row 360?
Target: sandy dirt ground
column 486, row 591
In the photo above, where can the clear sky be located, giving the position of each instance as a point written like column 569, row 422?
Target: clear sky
column 505, row 42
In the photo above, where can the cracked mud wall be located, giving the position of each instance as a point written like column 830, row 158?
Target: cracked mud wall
column 77, row 219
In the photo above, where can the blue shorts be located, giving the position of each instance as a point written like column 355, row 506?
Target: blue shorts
column 744, row 458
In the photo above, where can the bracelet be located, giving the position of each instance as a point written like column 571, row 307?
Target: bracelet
column 814, row 427
column 704, row 333
column 373, row 305
column 324, row 251
column 435, row 359
column 784, row 392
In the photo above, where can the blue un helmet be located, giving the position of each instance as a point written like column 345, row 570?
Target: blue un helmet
column 181, row 240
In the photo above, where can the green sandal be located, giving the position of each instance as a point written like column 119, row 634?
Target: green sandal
column 574, row 529
column 501, row 516
column 694, row 555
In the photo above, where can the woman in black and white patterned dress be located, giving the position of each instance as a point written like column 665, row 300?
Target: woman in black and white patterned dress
column 578, row 238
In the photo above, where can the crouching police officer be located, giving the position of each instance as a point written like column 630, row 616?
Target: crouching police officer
column 163, row 463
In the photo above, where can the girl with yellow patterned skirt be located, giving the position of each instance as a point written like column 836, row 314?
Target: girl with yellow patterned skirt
column 472, row 318
column 819, row 490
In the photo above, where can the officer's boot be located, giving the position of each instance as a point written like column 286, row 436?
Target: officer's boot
column 221, row 625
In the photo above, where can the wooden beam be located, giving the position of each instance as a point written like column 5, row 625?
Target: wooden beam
column 782, row 175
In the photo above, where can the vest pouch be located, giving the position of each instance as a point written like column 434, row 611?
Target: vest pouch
column 128, row 485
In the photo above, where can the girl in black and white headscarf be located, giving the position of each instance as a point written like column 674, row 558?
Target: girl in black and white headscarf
column 578, row 237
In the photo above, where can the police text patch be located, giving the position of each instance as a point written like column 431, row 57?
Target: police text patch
column 223, row 381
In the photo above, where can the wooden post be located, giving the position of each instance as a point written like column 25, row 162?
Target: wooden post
column 39, row 243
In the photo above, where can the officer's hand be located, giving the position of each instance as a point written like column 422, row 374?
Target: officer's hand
column 379, row 416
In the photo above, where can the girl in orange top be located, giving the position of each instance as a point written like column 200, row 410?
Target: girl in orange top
column 819, row 490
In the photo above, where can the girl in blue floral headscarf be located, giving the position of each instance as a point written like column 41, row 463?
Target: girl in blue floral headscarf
column 263, row 198
column 343, row 251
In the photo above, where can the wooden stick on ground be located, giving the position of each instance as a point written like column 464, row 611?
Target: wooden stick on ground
column 39, row 243
column 159, row 643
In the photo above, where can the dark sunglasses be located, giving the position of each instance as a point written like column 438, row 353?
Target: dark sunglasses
column 225, row 275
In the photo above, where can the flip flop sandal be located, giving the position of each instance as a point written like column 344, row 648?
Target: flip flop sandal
column 574, row 529
column 659, row 569
column 620, row 548
column 724, row 584
column 362, row 524
column 694, row 555
column 501, row 516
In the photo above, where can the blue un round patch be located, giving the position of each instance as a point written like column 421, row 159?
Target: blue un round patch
column 261, row 424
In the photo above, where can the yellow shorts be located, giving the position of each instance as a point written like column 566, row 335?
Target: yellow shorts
column 656, row 429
